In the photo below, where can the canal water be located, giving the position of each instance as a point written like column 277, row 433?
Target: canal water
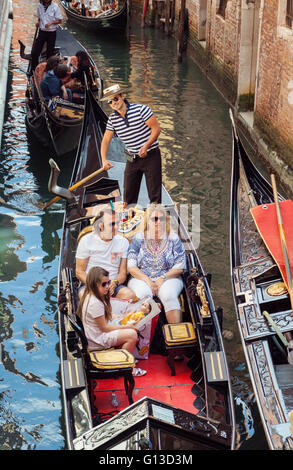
column 196, row 148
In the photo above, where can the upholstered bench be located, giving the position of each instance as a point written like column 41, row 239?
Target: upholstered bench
column 178, row 337
column 114, row 363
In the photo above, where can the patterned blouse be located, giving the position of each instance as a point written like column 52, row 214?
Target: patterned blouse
column 152, row 263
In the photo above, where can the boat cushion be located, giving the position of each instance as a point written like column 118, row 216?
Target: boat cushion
column 111, row 359
column 179, row 334
column 84, row 232
column 40, row 71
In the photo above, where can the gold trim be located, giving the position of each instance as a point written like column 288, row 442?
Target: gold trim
column 219, row 365
column 213, row 367
column 70, row 374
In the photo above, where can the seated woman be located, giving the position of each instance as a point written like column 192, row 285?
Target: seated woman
column 96, row 7
column 52, row 84
column 44, row 67
column 85, row 6
column 156, row 260
column 83, row 66
column 95, row 312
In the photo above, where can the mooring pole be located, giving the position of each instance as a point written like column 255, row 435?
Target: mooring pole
column 181, row 31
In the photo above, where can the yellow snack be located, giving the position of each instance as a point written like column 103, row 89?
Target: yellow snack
column 132, row 317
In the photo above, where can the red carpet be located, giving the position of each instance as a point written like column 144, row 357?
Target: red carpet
column 157, row 383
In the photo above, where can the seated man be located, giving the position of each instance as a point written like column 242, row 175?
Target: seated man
column 52, row 84
column 103, row 247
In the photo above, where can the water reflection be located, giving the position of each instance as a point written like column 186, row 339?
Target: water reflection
column 10, row 241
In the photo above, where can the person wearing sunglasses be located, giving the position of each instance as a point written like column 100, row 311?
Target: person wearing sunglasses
column 156, row 261
column 95, row 311
column 138, row 128
column 103, row 247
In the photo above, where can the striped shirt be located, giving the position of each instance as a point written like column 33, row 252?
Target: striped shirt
column 132, row 129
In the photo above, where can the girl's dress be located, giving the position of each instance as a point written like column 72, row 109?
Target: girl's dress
column 97, row 339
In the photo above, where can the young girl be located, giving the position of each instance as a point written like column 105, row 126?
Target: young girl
column 96, row 313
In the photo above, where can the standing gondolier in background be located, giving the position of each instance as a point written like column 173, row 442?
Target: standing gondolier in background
column 138, row 129
column 49, row 16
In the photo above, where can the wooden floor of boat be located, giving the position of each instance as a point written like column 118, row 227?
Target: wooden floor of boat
column 157, row 383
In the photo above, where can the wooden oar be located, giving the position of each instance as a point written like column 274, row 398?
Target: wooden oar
column 76, row 185
column 275, row 328
column 283, row 240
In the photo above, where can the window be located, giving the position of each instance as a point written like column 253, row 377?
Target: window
column 289, row 14
column 222, row 7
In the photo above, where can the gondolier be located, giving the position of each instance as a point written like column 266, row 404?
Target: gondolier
column 49, row 16
column 138, row 129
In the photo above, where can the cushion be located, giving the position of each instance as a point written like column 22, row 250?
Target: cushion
column 40, row 71
column 84, row 231
column 179, row 334
column 112, row 359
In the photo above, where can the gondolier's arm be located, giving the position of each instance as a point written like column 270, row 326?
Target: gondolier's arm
column 104, row 149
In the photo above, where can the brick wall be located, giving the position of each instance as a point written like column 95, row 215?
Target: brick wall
column 274, row 103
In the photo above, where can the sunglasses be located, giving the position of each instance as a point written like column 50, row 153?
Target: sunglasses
column 105, row 283
column 116, row 98
column 156, row 219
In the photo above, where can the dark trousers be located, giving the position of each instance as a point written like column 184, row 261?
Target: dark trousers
column 44, row 36
column 151, row 167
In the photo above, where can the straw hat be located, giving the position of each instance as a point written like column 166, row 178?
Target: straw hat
column 112, row 91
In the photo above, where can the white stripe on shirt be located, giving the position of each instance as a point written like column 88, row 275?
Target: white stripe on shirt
column 137, row 133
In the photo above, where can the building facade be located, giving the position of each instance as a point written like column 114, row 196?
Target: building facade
column 245, row 47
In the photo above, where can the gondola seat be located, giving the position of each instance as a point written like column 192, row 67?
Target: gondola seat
column 178, row 337
column 109, row 363
column 106, row 363
column 40, row 71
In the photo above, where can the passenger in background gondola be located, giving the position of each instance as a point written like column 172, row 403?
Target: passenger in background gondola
column 85, row 6
column 53, row 86
column 83, row 66
column 49, row 16
column 44, row 67
column 96, row 7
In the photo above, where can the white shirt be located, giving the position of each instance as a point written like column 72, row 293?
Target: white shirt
column 96, row 5
column 92, row 309
column 52, row 13
column 108, row 255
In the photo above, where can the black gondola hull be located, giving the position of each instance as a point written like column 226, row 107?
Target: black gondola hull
column 253, row 271
column 114, row 21
column 212, row 424
column 58, row 130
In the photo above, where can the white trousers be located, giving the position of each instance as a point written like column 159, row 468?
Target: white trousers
column 168, row 292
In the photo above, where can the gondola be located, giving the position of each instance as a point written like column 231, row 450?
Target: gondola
column 192, row 409
column 56, row 125
column 264, row 313
column 109, row 20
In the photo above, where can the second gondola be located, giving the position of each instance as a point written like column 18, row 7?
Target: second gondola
column 264, row 312
column 112, row 19
column 57, row 124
